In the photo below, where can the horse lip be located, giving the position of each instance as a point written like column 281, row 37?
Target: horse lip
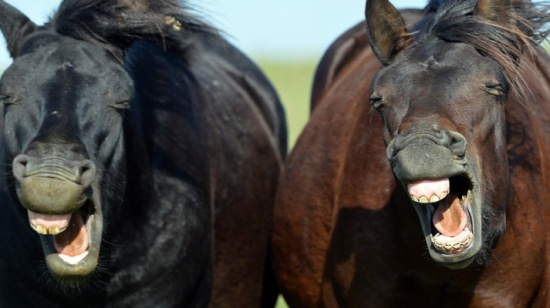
column 69, row 274
column 71, row 194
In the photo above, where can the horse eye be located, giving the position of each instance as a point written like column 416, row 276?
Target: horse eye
column 494, row 89
column 6, row 99
column 376, row 101
column 122, row 105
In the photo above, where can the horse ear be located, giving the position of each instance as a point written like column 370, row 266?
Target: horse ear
column 15, row 26
column 499, row 11
column 388, row 34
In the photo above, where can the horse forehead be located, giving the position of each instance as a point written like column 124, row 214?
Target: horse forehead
column 54, row 61
column 440, row 64
column 444, row 56
column 51, row 52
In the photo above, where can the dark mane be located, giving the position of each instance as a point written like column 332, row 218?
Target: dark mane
column 115, row 24
column 454, row 21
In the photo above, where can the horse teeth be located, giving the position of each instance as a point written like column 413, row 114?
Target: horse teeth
column 455, row 244
column 55, row 230
column 434, row 198
column 443, row 195
column 413, row 198
column 423, row 199
column 40, row 229
column 463, row 199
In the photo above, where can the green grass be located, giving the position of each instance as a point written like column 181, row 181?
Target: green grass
column 281, row 303
column 292, row 80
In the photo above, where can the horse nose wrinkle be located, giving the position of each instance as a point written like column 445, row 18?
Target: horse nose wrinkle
column 81, row 172
column 453, row 142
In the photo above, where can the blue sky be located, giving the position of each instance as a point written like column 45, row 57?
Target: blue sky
column 283, row 29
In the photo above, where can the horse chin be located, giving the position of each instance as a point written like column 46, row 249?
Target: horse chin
column 73, row 271
column 465, row 247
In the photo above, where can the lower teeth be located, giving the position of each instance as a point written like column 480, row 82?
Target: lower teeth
column 447, row 244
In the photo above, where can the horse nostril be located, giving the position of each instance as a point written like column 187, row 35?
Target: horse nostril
column 19, row 166
column 87, row 172
column 457, row 143
column 444, row 138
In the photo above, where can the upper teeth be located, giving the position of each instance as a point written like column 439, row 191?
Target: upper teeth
column 40, row 229
column 432, row 199
column 429, row 191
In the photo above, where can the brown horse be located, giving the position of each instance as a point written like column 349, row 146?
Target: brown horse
column 421, row 179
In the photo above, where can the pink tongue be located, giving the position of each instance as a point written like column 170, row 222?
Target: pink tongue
column 73, row 241
column 449, row 218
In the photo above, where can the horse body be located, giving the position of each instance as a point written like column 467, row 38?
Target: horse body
column 159, row 131
column 345, row 231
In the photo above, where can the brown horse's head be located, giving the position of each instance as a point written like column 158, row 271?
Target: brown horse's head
column 441, row 95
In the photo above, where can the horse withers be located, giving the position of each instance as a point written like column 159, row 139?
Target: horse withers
column 141, row 154
column 422, row 177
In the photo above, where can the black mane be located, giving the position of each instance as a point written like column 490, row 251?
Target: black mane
column 454, row 21
column 115, row 24
column 529, row 19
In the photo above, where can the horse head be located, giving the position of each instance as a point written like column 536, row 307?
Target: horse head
column 441, row 95
column 64, row 101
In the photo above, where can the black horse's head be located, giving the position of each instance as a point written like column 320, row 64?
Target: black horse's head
column 441, row 95
column 63, row 102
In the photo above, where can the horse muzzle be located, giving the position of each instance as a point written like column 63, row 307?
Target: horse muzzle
column 433, row 168
column 427, row 155
column 65, row 209
column 52, row 185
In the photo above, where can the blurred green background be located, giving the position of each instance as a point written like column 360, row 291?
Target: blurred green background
column 293, row 80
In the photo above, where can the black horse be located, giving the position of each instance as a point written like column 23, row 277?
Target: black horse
column 144, row 150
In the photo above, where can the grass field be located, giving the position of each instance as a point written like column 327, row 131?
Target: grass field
column 292, row 80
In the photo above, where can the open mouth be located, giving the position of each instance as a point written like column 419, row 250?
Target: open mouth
column 447, row 204
column 70, row 242
column 68, row 232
